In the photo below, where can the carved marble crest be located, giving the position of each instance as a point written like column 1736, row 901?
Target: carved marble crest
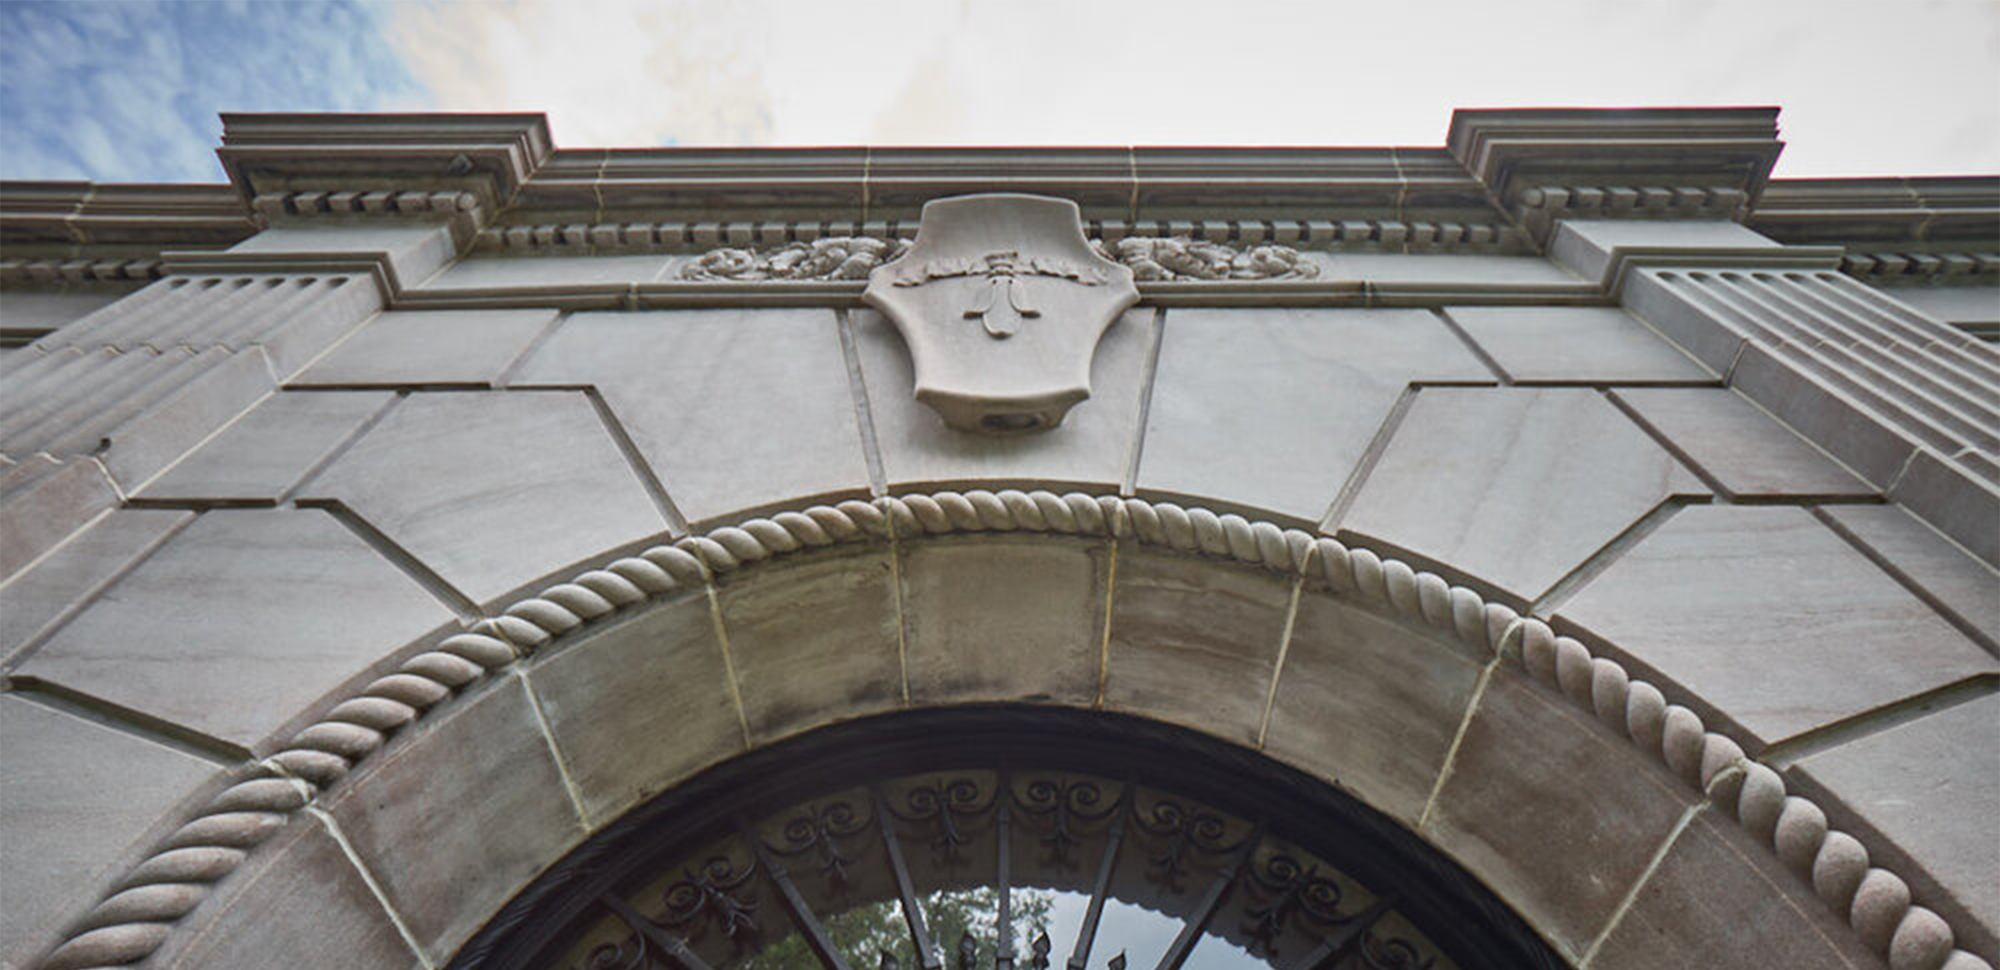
column 1001, row 300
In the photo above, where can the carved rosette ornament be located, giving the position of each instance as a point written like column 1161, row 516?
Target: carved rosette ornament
column 1002, row 301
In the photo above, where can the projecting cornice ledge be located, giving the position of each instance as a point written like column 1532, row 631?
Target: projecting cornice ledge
column 1548, row 164
column 490, row 155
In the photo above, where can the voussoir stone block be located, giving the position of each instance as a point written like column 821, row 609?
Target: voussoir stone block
column 1273, row 408
column 639, row 704
column 1931, row 789
column 1554, row 813
column 732, row 409
column 1517, row 486
column 990, row 619
column 1962, row 586
column 1740, row 446
column 267, row 451
column 1369, row 702
column 493, row 489
column 1721, row 900
column 1591, row 345
column 239, row 623
column 1194, row 644
column 76, row 570
column 417, row 347
column 1776, row 623
column 299, row 879
column 459, row 814
column 1092, row 447
column 77, row 797
column 814, row 640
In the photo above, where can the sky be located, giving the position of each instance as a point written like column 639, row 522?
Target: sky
column 130, row 90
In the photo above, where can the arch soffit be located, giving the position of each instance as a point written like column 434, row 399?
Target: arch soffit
column 142, row 910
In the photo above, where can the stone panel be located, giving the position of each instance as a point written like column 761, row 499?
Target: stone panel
column 167, row 430
column 416, row 347
column 58, row 503
column 299, row 879
column 76, row 798
column 1369, row 703
column 1931, row 788
column 1772, row 620
column 996, row 620
column 1591, row 345
column 75, row 571
column 1517, row 486
column 639, row 705
column 1965, row 587
column 1092, row 446
column 814, row 641
column 733, row 409
column 267, row 451
column 495, row 489
column 1740, row 446
column 503, row 273
column 1273, row 408
column 1554, row 813
column 457, row 816
column 1194, row 644
column 1721, row 902
column 239, row 623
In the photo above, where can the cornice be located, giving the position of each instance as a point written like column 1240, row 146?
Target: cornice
column 147, row 903
column 1860, row 211
column 89, row 213
column 490, row 154
column 1647, row 162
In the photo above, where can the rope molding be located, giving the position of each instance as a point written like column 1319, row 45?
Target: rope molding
column 145, row 906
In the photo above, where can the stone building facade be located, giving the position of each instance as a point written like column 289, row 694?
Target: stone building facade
column 1602, row 531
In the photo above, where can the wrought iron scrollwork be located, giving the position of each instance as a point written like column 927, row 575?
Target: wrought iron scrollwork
column 710, row 891
column 944, row 805
column 1057, row 804
column 1288, row 889
column 1184, row 830
column 821, row 830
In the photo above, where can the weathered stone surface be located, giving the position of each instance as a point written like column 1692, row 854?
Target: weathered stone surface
column 698, row 389
column 50, row 509
column 1554, row 813
column 404, row 348
column 1590, row 345
column 1930, row 790
column 78, row 795
column 1740, row 446
column 1517, row 486
column 1719, row 900
column 814, row 640
column 1369, row 702
column 159, row 436
column 1592, row 247
column 1767, row 616
column 239, row 623
column 1451, row 268
column 299, row 879
column 413, row 253
column 995, row 620
column 1194, row 644
column 1947, row 494
column 640, row 704
column 457, row 816
column 1962, row 586
column 77, row 570
column 1822, row 415
column 1273, row 408
column 267, row 451
column 493, row 490
column 1093, row 446
column 525, row 272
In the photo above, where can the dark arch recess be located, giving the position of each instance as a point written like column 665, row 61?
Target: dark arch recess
column 1457, row 912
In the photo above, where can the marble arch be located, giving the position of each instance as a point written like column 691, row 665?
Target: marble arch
column 1563, row 521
